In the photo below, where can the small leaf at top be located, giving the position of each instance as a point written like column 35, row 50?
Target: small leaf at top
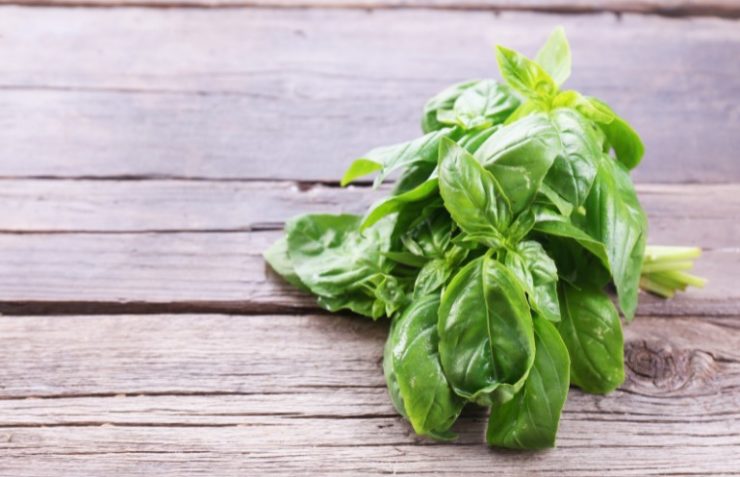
column 554, row 56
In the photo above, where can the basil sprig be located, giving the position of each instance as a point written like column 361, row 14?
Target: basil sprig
column 511, row 216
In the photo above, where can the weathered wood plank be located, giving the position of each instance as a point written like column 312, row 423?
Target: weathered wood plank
column 676, row 8
column 236, row 451
column 114, row 273
column 298, row 93
column 703, row 215
column 252, row 406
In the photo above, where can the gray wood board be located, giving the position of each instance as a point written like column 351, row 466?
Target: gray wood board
column 701, row 215
column 186, row 272
column 297, row 94
column 674, row 8
column 228, row 395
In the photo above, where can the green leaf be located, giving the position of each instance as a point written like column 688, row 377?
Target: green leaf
column 486, row 341
column 389, row 158
column 392, row 204
column 443, row 101
column 430, row 236
column 584, row 105
column 550, row 223
column 414, row 373
column 413, row 176
column 524, row 75
column 473, row 140
column 519, row 156
column 628, row 146
column 279, row 260
column 339, row 264
column 472, row 196
column 549, row 197
column 538, row 275
column 591, row 330
column 360, row 167
column 486, row 104
column 573, row 171
column 432, row 276
column 530, row 420
column 521, row 226
column 554, row 56
column 615, row 218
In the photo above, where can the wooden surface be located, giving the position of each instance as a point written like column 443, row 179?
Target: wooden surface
column 151, row 154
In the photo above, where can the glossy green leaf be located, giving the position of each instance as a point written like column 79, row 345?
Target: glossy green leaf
column 521, row 226
column 472, row 196
column 390, row 158
column 524, row 75
column 550, row 223
column 359, row 168
column 336, row 262
column 628, row 146
column 441, row 102
column 414, row 176
column 592, row 331
column 554, row 56
column 484, row 105
column 486, row 342
column 519, row 156
column 538, row 275
column 530, row 420
column 473, row 140
column 584, row 105
column 394, row 203
column 432, row 276
column 414, row 373
column 573, row 171
column 615, row 218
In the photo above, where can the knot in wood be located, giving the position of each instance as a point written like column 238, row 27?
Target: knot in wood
column 657, row 367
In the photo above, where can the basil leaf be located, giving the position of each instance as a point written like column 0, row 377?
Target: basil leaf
column 615, row 218
column 573, row 171
column 554, row 56
column 538, row 275
column 345, row 268
column 473, row 140
column 628, row 146
column 279, row 260
column 519, row 156
column 584, row 105
column 521, row 226
column 394, row 203
column 389, row 158
column 486, row 104
column 550, row 223
column 414, row 175
column 441, row 102
column 486, row 341
column 414, row 373
column 591, row 330
column 431, row 236
column 530, row 420
column 432, row 276
column 472, row 196
column 524, row 75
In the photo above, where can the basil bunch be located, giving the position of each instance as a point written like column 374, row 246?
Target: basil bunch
column 511, row 215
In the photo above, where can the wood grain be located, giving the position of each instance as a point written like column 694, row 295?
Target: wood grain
column 674, row 8
column 212, row 272
column 703, row 215
column 296, row 94
column 213, row 394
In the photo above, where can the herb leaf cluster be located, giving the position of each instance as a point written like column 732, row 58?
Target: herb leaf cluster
column 509, row 218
